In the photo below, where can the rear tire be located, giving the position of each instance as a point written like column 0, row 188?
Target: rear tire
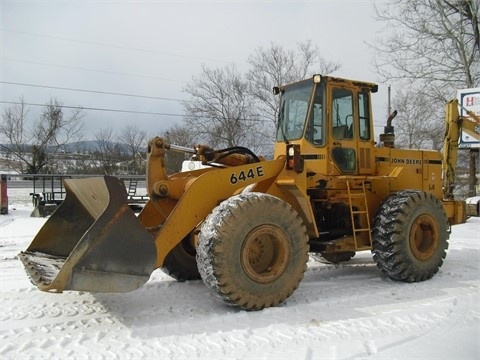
column 410, row 236
column 180, row 262
column 253, row 251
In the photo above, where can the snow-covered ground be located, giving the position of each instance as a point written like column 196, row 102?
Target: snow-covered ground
column 339, row 311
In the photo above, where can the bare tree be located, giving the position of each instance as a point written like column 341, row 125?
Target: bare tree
column 135, row 141
column 433, row 45
column 276, row 65
column 36, row 146
column 107, row 150
column 228, row 109
column 178, row 135
column 418, row 124
column 13, row 131
column 221, row 111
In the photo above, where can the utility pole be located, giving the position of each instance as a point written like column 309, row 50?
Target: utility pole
column 389, row 107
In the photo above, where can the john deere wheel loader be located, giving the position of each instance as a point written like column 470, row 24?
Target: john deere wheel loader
column 245, row 225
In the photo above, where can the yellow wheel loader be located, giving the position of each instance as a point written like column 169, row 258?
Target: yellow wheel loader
column 246, row 225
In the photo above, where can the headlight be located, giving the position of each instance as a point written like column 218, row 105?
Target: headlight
column 317, row 79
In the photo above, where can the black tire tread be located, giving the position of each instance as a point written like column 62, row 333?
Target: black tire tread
column 180, row 265
column 216, row 237
column 390, row 236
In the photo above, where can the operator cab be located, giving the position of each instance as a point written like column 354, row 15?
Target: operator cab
column 330, row 116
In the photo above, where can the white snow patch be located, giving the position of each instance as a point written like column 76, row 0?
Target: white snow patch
column 338, row 312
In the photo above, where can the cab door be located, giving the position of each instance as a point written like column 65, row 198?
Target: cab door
column 342, row 129
column 351, row 133
column 364, row 134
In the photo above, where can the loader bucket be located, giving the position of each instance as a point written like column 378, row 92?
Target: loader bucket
column 92, row 242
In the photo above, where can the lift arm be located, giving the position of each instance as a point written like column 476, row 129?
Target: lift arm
column 454, row 125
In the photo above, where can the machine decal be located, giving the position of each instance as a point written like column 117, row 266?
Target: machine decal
column 244, row 175
column 406, row 161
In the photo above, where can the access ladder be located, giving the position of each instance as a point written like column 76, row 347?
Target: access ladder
column 361, row 235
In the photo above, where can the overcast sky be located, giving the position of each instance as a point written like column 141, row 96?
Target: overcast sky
column 153, row 48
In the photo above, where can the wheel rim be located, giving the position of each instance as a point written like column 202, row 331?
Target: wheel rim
column 265, row 253
column 424, row 237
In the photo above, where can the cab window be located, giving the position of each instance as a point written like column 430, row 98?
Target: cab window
column 364, row 116
column 342, row 114
column 316, row 129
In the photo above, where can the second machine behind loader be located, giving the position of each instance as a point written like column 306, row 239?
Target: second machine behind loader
column 246, row 225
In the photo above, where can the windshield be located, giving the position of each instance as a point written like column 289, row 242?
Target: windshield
column 294, row 109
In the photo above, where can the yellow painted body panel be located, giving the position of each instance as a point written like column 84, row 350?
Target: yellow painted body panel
column 201, row 194
column 421, row 169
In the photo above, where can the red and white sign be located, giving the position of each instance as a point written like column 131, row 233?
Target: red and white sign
column 469, row 99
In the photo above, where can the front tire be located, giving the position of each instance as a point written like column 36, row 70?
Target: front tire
column 253, row 251
column 181, row 263
column 410, row 236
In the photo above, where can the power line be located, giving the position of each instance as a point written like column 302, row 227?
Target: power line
column 94, row 109
column 90, row 91
column 114, row 46
column 377, row 124
column 115, row 110
column 92, row 70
